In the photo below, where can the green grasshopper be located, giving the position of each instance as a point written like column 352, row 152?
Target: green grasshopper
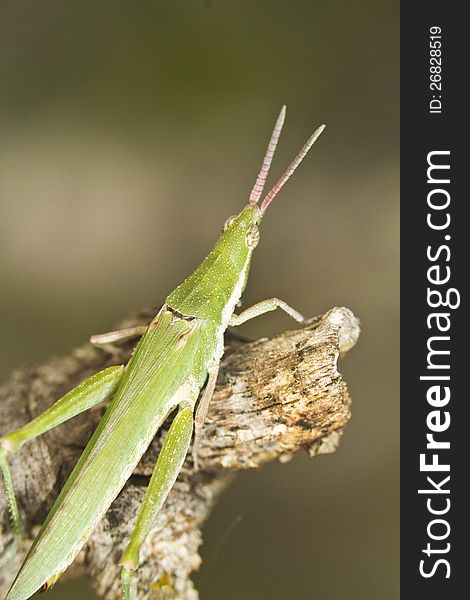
column 179, row 350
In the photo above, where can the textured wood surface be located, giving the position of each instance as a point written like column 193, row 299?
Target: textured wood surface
column 273, row 398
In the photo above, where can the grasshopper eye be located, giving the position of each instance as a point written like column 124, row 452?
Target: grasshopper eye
column 252, row 237
column 229, row 222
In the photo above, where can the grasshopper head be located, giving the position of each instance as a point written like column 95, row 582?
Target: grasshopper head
column 245, row 225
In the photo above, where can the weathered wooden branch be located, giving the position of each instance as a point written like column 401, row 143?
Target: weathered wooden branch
column 273, row 398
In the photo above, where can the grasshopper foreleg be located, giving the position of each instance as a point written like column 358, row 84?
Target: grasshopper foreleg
column 263, row 307
column 89, row 393
column 169, row 463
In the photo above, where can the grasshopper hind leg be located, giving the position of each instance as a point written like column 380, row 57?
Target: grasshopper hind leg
column 89, row 393
column 169, row 463
column 126, row 580
column 13, row 509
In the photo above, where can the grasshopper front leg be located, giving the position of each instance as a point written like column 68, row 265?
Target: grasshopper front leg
column 89, row 393
column 167, row 468
column 263, row 307
column 250, row 313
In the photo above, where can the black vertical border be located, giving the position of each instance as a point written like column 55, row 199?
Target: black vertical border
column 421, row 133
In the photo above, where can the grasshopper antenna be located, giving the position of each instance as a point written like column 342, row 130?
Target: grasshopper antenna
column 290, row 170
column 268, row 157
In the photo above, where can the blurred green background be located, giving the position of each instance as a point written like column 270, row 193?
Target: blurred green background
column 129, row 132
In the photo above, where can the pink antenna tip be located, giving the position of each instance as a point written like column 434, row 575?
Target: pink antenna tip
column 290, row 170
column 268, row 157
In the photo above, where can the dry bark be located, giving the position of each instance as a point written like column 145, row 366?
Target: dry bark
column 273, row 398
